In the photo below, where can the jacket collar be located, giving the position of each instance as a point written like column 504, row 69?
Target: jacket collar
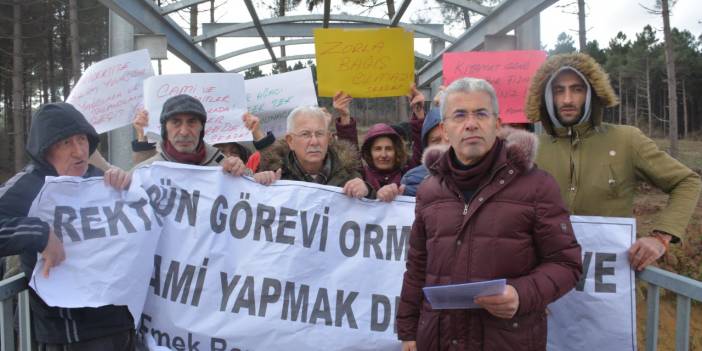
column 345, row 158
column 519, row 150
column 577, row 130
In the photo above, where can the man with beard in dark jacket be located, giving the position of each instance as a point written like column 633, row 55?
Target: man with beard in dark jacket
column 60, row 143
column 598, row 165
column 486, row 212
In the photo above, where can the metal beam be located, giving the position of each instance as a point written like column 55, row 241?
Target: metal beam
column 287, row 43
column 177, row 6
column 327, row 10
column 265, row 62
column 214, row 30
column 399, row 13
column 422, row 56
column 146, row 18
column 470, row 6
column 121, row 41
column 259, row 28
column 501, row 20
column 261, row 47
column 304, row 30
column 299, row 57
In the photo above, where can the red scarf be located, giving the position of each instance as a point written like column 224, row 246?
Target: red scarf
column 194, row 158
column 470, row 177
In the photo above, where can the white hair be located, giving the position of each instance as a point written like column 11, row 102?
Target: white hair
column 307, row 111
column 469, row 85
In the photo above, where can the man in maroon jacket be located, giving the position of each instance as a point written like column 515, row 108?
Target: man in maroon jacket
column 486, row 213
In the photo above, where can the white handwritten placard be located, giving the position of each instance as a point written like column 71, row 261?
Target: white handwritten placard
column 222, row 95
column 110, row 91
column 272, row 98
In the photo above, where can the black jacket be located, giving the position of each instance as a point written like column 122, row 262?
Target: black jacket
column 27, row 236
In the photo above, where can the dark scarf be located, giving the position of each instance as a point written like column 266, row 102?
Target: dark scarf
column 321, row 178
column 194, row 158
column 469, row 178
column 377, row 178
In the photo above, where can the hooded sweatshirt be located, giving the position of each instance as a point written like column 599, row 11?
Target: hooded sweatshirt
column 28, row 236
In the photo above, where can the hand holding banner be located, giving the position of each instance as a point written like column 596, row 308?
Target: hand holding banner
column 364, row 63
column 600, row 313
column 99, row 229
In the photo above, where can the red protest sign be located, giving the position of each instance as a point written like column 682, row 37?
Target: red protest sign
column 509, row 72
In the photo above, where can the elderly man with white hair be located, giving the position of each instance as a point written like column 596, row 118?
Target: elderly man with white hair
column 310, row 154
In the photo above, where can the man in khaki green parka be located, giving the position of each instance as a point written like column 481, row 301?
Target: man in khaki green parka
column 596, row 164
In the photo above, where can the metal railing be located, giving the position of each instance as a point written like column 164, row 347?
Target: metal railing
column 11, row 288
column 685, row 288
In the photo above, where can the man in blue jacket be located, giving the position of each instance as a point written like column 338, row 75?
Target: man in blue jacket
column 60, row 143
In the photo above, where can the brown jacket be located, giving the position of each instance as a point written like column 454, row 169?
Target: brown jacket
column 515, row 227
column 345, row 162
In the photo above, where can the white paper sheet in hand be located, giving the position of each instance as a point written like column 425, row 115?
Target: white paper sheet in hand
column 109, row 237
column 110, row 91
column 460, row 296
column 221, row 94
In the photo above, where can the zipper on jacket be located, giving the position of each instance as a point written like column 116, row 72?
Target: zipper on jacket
column 573, row 144
column 465, row 212
column 477, row 191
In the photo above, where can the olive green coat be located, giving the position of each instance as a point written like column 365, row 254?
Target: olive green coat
column 597, row 165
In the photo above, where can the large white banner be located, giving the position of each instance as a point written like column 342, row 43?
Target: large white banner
column 600, row 313
column 271, row 98
column 109, row 237
column 110, row 91
column 222, row 95
column 294, row 266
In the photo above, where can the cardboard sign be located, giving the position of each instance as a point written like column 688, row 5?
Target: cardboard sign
column 365, row 63
column 109, row 91
column 272, row 98
column 222, row 95
column 509, row 72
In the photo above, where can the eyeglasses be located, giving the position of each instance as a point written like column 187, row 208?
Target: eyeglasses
column 462, row 116
column 307, row 134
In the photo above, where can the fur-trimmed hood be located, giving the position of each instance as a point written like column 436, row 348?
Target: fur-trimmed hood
column 603, row 94
column 345, row 161
column 521, row 147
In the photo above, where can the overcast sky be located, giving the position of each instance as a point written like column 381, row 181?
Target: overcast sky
column 604, row 19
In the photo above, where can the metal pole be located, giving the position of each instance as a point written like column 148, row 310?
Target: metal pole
column 121, row 38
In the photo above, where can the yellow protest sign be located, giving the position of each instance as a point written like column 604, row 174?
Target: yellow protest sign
column 364, row 62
